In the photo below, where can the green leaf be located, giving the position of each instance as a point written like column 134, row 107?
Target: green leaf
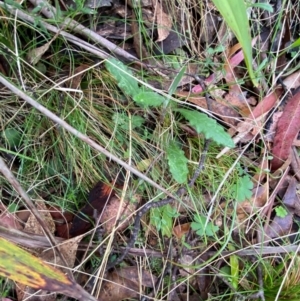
column 148, row 99
column 13, row 137
column 208, row 126
column 124, row 77
column 234, row 265
column 281, row 211
column 177, row 163
column 242, row 189
column 199, row 226
column 265, row 6
column 176, row 80
column 295, row 44
column 162, row 219
column 235, row 14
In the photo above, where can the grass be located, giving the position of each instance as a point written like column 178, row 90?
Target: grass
column 50, row 162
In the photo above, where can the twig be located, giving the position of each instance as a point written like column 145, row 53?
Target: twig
column 50, row 12
column 71, row 38
column 260, row 282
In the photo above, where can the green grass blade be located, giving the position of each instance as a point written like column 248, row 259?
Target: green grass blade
column 235, row 15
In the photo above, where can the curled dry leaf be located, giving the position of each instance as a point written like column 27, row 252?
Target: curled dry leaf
column 181, row 230
column 97, row 199
column 103, row 203
column 108, row 217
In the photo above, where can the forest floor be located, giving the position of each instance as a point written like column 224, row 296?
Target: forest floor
column 163, row 165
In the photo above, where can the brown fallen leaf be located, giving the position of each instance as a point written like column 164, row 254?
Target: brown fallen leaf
column 164, row 21
column 287, row 129
column 34, row 55
column 226, row 113
column 62, row 220
column 181, row 230
column 282, row 225
column 76, row 76
column 33, row 226
column 97, row 199
column 126, row 283
column 253, row 123
column 109, row 215
column 8, row 219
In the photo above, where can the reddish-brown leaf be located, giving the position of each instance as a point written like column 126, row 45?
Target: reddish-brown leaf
column 287, row 129
column 181, row 230
column 97, row 199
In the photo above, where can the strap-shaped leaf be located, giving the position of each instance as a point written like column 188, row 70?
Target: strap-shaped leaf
column 235, row 15
column 21, row 266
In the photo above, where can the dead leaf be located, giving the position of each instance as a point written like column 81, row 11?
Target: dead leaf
column 33, row 225
column 292, row 81
column 34, row 55
column 232, row 62
column 24, row 239
column 62, row 220
column 258, row 200
column 186, row 260
column 164, row 21
column 291, row 197
column 9, row 220
column 287, row 129
column 181, row 230
column 254, row 120
column 97, row 199
column 19, row 265
column 229, row 115
column 79, row 72
column 109, row 215
column 280, row 226
column 126, row 283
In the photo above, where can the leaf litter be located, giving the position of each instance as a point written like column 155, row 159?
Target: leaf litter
column 258, row 125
